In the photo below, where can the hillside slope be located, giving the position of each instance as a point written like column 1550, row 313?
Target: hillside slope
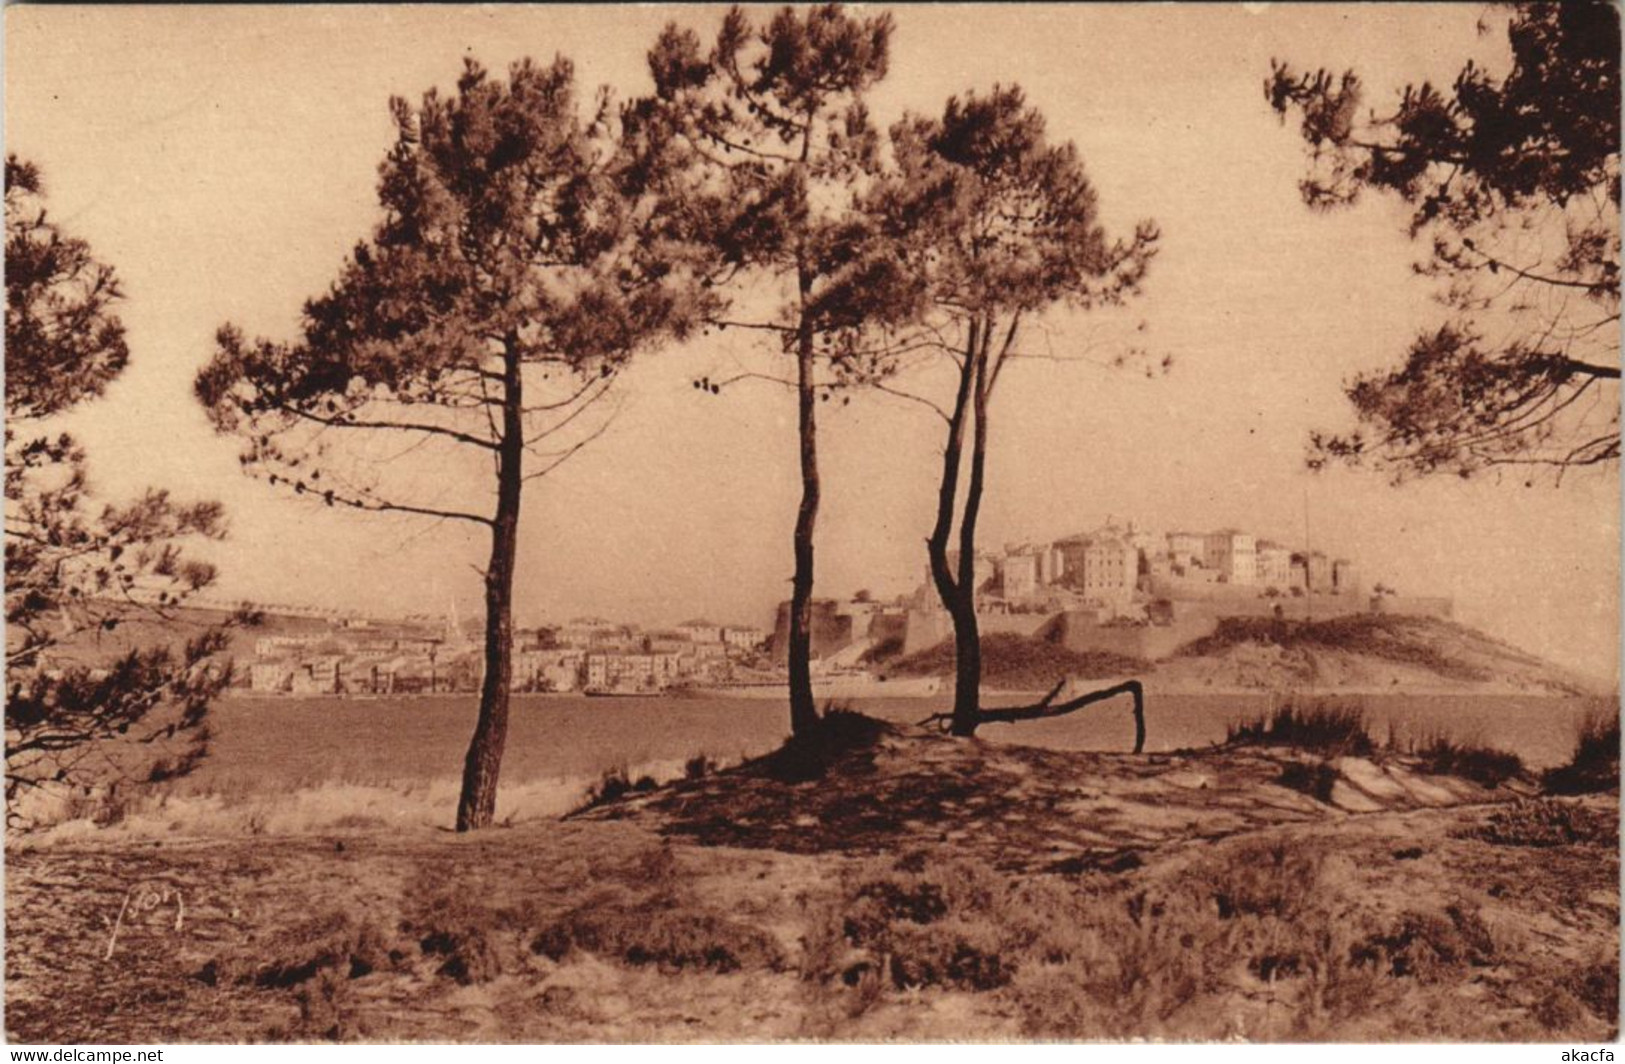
column 912, row 887
column 1368, row 652
column 1015, row 662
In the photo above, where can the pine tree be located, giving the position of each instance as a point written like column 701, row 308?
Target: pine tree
column 770, row 132
column 77, row 715
column 1514, row 183
column 982, row 228
column 518, row 267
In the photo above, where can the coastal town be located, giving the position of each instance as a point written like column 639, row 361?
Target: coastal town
column 1119, row 587
column 361, row 656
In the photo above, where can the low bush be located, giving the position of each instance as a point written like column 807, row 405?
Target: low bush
column 1594, row 765
column 612, row 786
column 908, row 927
column 1595, row 984
column 656, row 935
column 1276, row 879
column 1548, row 822
column 327, row 1011
column 1425, row 945
column 335, row 941
column 471, row 942
column 1484, row 765
column 1327, row 725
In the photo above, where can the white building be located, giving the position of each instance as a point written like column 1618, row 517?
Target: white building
column 1105, row 568
column 1019, row 574
column 744, row 638
column 1232, row 554
column 1274, row 565
column 1186, row 549
column 270, row 676
column 701, row 631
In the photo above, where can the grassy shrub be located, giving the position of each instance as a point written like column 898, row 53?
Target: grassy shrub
column 615, row 784
column 470, row 941
column 654, row 934
column 1151, row 961
column 1425, row 945
column 698, row 767
column 338, row 942
column 327, row 1011
column 904, row 921
column 1263, row 918
column 1548, row 822
column 1595, row 764
column 1267, row 923
column 1595, row 985
column 634, row 911
column 1089, row 957
column 1275, row 879
column 1026, row 662
column 104, row 806
column 641, row 913
column 1328, row 725
column 1485, row 765
column 1580, row 997
column 902, row 926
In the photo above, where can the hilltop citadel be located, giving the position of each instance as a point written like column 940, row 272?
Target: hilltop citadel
column 1118, row 588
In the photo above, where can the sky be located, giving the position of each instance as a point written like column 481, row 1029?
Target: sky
column 223, row 159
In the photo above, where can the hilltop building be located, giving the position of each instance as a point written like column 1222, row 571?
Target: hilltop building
column 1116, row 588
column 1231, row 554
column 1103, row 566
column 1345, row 577
column 743, row 637
column 1317, row 571
column 700, row 631
column 1186, row 549
column 1274, row 565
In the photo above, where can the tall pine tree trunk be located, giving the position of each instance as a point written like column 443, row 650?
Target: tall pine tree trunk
column 967, row 636
column 957, row 593
column 477, row 806
column 803, row 710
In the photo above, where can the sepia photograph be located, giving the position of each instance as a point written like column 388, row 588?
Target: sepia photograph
column 921, row 523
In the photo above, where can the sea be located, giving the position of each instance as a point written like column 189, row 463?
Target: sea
column 271, row 744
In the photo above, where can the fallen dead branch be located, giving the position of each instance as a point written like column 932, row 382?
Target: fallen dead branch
column 1048, row 707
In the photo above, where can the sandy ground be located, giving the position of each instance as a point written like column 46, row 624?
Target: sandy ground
column 917, row 887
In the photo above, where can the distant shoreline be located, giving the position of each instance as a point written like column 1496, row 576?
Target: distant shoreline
column 1151, row 688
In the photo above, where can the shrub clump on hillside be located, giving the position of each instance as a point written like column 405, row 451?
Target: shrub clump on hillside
column 1485, row 765
column 1328, row 725
column 1023, row 662
column 1549, row 822
column 1595, row 764
column 903, row 927
column 659, row 936
column 1339, row 727
column 1398, row 639
column 615, row 784
column 1265, row 917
